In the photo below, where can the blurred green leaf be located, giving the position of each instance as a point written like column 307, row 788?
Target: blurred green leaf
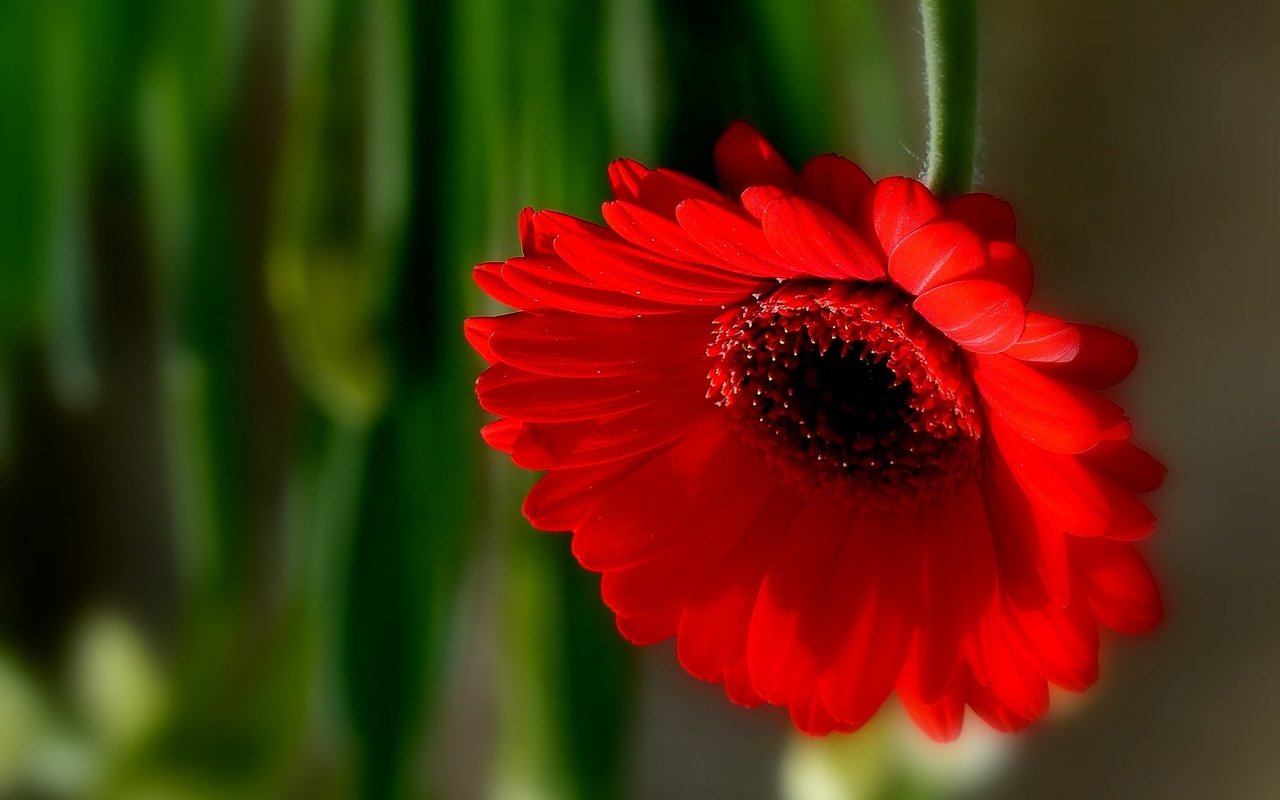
column 832, row 79
column 405, row 568
column 22, row 156
column 565, row 681
column 67, row 249
column 205, row 154
column 631, row 50
column 341, row 201
column 418, row 501
column 181, row 117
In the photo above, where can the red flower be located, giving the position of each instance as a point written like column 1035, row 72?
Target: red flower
column 809, row 428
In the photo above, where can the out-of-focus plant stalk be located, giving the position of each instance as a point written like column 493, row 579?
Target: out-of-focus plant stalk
column 235, row 633
column 532, row 83
column 24, row 143
column 836, row 85
column 68, row 268
column 631, row 56
column 383, row 477
column 872, row 116
column 951, row 78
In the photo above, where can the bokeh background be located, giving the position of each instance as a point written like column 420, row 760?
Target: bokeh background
column 250, row 543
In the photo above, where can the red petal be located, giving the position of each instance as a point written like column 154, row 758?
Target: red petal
column 662, row 190
column 1121, row 589
column 713, row 629
column 507, row 391
column 1030, row 550
column 899, row 207
column 571, row 345
column 732, row 238
column 695, row 537
column 1014, row 535
column 757, row 198
column 1052, row 565
column 744, row 158
column 620, row 266
column 1013, row 682
column 942, row 720
column 561, row 499
column 1009, row 264
column 992, row 709
column 540, row 229
column 653, row 232
column 1061, row 643
column 1068, row 494
column 987, row 215
column 550, row 284
column 1130, row 467
column 528, row 238
column 488, row 277
column 1105, row 359
column 628, row 527
column 1121, row 429
column 816, row 242
column 1089, row 356
column 1057, row 485
column 935, row 254
column 810, row 715
column 1130, row 517
column 877, row 587
column 478, row 331
column 835, row 182
column 981, row 316
column 647, row 629
column 625, row 177
column 501, row 435
column 958, row 585
column 1051, row 414
column 555, row 445
column 781, row 650
column 1046, row 339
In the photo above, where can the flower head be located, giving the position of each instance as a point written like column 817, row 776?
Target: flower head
column 808, row 427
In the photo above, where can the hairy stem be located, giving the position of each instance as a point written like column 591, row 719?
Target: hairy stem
column 951, row 77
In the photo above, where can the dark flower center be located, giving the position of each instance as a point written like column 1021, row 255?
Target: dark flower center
column 845, row 383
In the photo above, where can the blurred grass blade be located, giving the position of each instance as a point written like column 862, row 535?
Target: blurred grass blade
column 339, row 203
column 403, row 576
column 204, row 159
column 814, row 77
column 875, row 120
column 23, row 141
column 69, row 272
column 405, row 558
column 631, row 59
column 833, row 78
column 565, row 681
column 800, row 65
column 24, row 204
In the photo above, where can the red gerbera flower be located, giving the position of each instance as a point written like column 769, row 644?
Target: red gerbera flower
column 808, row 428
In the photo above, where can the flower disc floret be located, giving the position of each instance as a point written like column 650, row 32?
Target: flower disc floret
column 844, row 383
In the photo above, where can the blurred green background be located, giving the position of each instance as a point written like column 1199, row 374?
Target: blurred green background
column 251, row 545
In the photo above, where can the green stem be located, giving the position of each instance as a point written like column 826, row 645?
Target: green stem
column 951, row 77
